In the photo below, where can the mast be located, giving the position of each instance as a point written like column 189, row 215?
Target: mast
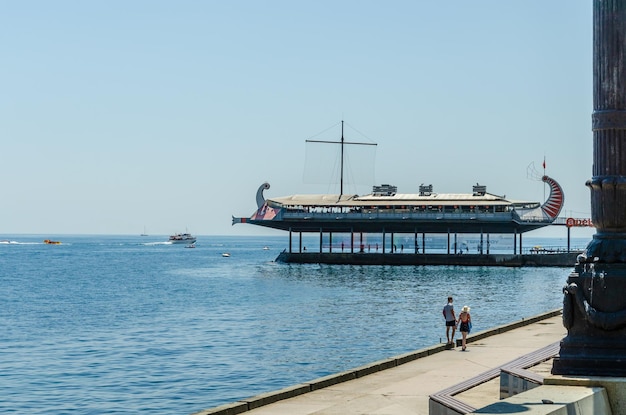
column 342, row 143
column 341, row 178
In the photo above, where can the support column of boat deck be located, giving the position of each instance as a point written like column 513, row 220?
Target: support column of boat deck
column 384, row 240
column 423, row 243
column 481, row 241
column 351, row 240
column 321, row 239
column 330, row 242
column 289, row 239
column 300, row 248
column 515, row 241
column 520, row 243
column 448, row 241
column 361, row 247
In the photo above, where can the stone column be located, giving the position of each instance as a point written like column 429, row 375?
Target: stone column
column 594, row 304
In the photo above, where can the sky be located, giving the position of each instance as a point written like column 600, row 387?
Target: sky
column 119, row 117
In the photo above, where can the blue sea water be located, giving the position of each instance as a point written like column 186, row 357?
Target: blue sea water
column 130, row 324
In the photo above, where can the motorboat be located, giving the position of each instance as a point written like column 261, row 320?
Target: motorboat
column 182, row 238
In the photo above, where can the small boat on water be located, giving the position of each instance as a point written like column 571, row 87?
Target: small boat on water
column 225, row 254
column 50, row 242
column 182, row 238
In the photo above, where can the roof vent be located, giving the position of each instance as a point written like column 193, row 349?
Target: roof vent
column 426, row 190
column 384, row 190
column 479, row 190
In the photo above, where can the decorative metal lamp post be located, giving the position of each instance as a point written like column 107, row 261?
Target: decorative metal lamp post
column 594, row 305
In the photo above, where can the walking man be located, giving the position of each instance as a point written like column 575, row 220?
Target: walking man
column 448, row 314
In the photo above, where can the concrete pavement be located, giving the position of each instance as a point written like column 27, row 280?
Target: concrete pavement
column 402, row 385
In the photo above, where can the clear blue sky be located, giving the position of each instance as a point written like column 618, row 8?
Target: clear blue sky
column 120, row 115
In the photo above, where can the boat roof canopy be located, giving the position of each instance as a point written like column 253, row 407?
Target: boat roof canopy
column 438, row 199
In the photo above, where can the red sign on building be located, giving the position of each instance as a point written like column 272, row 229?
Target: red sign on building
column 572, row 222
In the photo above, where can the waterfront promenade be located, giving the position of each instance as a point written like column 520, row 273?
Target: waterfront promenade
column 401, row 385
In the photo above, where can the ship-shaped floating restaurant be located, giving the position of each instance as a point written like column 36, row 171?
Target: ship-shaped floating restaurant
column 386, row 211
column 392, row 214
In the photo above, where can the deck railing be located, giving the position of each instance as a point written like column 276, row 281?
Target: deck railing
column 410, row 215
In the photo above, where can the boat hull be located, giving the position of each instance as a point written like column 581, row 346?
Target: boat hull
column 386, row 211
column 400, row 225
column 183, row 241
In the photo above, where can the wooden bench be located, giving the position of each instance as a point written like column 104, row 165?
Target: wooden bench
column 444, row 402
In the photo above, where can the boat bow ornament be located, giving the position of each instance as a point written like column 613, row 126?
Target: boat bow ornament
column 552, row 207
column 386, row 210
column 260, row 200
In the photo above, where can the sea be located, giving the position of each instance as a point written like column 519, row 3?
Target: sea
column 103, row 324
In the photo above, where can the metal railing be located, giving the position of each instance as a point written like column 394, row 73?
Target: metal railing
column 391, row 214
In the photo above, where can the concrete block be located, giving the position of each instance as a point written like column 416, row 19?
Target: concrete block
column 436, row 349
column 409, row 357
column 615, row 387
column 436, row 408
column 553, row 400
column 512, row 383
column 330, row 380
column 375, row 367
column 233, row 408
column 447, row 405
column 271, row 397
